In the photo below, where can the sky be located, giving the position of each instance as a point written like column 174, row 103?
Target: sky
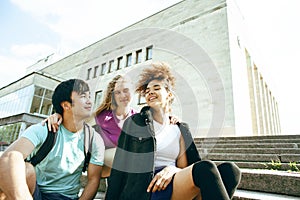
column 33, row 29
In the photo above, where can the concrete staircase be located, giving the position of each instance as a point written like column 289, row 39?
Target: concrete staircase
column 254, row 156
column 261, row 178
column 252, row 152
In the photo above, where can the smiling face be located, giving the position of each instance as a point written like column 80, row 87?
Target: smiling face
column 156, row 95
column 81, row 105
column 122, row 93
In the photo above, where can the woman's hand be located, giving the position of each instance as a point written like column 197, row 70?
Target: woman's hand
column 162, row 179
column 174, row 120
column 53, row 122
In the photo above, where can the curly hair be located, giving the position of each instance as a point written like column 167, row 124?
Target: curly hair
column 158, row 71
column 108, row 102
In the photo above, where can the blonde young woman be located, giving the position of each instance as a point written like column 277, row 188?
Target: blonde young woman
column 158, row 160
column 111, row 114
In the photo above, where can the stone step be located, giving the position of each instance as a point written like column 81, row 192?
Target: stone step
column 264, row 165
column 251, row 150
column 249, row 145
column 294, row 144
column 242, row 142
column 250, row 138
column 271, row 181
column 285, row 158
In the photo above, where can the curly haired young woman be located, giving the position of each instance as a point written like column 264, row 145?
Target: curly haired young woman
column 158, row 160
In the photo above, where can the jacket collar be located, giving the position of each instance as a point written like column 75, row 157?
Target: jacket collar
column 146, row 114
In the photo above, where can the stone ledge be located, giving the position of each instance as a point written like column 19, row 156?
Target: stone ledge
column 258, row 165
column 247, row 145
column 277, row 151
column 284, row 158
column 278, row 182
column 251, row 138
column 238, row 140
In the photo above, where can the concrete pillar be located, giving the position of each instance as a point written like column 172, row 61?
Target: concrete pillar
column 259, row 102
column 252, row 94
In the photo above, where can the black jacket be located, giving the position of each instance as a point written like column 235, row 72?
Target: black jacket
column 133, row 165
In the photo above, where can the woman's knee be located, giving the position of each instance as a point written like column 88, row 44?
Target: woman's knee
column 230, row 169
column 204, row 170
column 205, row 165
column 206, row 176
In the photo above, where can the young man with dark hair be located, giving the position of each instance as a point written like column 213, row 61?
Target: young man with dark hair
column 57, row 176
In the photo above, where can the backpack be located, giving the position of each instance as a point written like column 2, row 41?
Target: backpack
column 50, row 141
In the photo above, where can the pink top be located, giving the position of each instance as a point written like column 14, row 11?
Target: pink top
column 109, row 129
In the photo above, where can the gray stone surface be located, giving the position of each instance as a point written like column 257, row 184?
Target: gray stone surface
column 278, row 182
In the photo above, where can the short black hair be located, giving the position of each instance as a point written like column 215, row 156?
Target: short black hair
column 64, row 91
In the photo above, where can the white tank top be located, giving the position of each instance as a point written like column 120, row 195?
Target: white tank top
column 167, row 144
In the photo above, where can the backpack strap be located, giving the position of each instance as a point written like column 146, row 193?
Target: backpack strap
column 88, row 145
column 44, row 149
column 50, row 141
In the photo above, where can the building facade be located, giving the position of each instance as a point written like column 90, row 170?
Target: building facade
column 220, row 90
column 23, row 103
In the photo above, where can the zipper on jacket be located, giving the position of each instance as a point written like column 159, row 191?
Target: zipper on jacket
column 152, row 133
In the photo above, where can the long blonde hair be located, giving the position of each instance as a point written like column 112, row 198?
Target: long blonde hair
column 109, row 102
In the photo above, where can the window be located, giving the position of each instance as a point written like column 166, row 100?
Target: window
column 110, row 67
column 39, row 91
column 18, row 101
column 149, row 53
column 48, row 94
column 42, row 101
column 95, row 71
column 128, row 60
column 138, row 58
column 98, row 98
column 88, row 74
column 119, row 64
column 103, row 69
